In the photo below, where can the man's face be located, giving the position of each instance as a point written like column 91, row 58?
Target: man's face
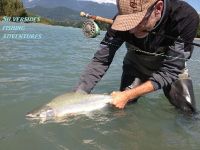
column 148, row 22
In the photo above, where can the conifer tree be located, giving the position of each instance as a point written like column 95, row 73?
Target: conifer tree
column 12, row 8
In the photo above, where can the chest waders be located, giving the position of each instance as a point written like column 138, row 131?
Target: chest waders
column 179, row 93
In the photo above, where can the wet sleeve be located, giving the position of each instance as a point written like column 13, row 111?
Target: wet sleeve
column 100, row 62
column 177, row 54
column 171, row 67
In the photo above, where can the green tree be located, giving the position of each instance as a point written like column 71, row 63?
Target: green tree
column 1, row 8
column 198, row 32
column 12, row 8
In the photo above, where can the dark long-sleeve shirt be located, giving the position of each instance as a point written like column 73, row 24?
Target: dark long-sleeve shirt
column 179, row 20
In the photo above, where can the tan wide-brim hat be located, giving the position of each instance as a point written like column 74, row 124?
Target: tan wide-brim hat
column 131, row 13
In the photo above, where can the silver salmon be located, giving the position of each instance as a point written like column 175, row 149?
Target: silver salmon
column 68, row 104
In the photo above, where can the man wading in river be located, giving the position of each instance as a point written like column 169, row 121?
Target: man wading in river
column 153, row 60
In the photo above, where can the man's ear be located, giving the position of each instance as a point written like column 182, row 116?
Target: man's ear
column 158, row 8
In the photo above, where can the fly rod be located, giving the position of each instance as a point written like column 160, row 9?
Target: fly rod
column 96, row 18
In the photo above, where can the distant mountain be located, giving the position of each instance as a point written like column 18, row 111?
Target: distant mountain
column 103, row 9
column 56, row 14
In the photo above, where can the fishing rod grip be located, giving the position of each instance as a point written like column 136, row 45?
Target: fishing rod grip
column 97, row 18
column 105, row 20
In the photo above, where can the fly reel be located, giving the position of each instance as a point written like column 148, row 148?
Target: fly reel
column 90, row 28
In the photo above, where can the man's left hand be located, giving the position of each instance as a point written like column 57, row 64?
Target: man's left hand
column 120, row 99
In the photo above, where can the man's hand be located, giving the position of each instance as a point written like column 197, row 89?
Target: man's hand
column 120, row 99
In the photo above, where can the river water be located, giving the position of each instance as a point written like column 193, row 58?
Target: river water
column 33, row 71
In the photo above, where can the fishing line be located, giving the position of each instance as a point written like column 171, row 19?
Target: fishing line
column 173, row 38
column 155, row 54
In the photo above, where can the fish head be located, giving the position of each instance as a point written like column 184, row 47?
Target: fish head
column 44, row 113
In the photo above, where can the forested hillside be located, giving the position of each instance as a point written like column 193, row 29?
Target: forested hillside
column 56, row 14
column 12, row 8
